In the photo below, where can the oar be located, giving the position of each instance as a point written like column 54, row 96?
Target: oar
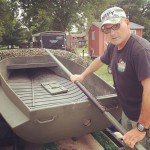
column 113, row 120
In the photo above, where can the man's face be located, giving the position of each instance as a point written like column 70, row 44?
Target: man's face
column 117, row 33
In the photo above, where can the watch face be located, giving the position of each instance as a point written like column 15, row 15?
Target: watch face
column 141, row 127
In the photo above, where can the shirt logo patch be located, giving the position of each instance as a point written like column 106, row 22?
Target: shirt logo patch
column 121, row 65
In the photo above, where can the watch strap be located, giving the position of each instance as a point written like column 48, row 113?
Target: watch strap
column 141, row 128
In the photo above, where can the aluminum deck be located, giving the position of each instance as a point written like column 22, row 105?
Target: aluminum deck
column 28, row 85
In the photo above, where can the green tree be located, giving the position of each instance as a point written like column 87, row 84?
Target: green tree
column 93, row 9
column 52, row 15
column 138, row 11
column 3, row 16
column 41, row 15
column 13, row 32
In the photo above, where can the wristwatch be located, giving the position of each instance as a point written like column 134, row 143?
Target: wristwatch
column 141, row 127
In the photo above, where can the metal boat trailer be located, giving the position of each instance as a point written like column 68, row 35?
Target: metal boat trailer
column 10, row 141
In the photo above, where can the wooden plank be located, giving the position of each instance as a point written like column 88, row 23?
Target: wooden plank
column 31, row 65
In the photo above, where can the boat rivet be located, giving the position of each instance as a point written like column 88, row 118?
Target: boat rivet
column 87, row 122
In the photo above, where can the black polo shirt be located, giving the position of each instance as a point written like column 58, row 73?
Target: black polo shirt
column 129, row 66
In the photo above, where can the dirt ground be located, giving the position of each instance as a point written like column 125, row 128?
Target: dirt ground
column 86, row 142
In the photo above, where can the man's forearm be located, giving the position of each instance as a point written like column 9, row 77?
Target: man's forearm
column 145, row 110
column 95, row 65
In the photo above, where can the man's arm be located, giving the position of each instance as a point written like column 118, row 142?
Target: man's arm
column 133, row 136
column 145, row 110
column 95, row 65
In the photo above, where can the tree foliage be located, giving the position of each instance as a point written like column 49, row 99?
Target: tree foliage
column 15, row 34
column 51, row 14
column 3, row 16
column 60, row 14
column 12, row 32
column 94, row 8
column 138, row 11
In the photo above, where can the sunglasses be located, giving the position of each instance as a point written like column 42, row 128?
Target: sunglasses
column 108, row 30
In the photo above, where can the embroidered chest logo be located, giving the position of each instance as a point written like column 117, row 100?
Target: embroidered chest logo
column 121, row 65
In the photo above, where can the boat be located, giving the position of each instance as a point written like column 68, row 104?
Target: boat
column 41, row 104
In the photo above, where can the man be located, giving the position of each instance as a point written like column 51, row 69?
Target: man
column 129, row 59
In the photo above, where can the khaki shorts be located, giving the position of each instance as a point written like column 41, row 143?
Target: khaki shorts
column 128, row 125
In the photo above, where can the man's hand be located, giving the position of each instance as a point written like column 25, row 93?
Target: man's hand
column 133, row 136
column 76, row 77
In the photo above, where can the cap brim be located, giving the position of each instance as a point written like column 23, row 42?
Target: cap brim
column 111, row 21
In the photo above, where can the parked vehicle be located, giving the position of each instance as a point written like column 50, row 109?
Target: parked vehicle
column 50, row 40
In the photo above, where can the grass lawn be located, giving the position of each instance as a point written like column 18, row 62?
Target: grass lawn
column 2, row 47
column 102, row 72
column 80, row 50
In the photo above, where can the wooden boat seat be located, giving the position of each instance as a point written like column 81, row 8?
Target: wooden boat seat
column 31, row 65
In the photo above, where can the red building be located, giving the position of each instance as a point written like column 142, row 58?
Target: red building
column 97, row 41
column 76, row 40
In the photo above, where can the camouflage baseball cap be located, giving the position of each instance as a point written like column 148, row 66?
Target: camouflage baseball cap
column 112, row 15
